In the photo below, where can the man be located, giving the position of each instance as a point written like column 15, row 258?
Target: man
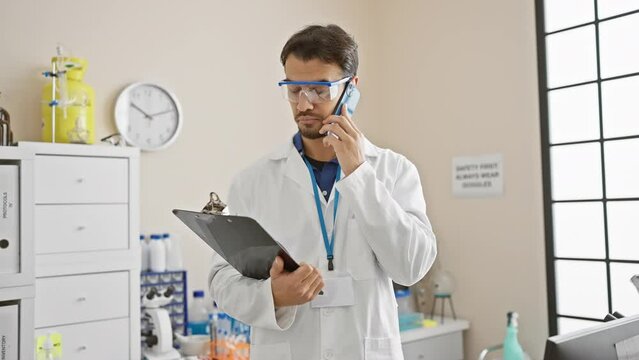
column 351, row 213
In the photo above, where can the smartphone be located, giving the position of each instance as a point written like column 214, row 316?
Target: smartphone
column 350, row 97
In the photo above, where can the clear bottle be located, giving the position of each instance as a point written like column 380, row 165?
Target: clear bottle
column 145, row 254
column 512, row 349
column 157, row 260
column 213, row 325
column 198, row 322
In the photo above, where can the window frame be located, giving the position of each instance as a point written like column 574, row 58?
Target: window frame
column 546, row 146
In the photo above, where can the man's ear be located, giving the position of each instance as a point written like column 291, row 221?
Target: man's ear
column 355, row 80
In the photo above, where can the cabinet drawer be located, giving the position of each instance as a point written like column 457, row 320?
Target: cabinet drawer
column 80, row 180
column 72, row 299
column 443, row 347
column 103, row 340
column 77, row 228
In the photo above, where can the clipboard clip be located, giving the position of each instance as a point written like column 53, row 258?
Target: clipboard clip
column 214, row 206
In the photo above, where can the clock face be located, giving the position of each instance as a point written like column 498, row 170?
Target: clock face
column 148, row 116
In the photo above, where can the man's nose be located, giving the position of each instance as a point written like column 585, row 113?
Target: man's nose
column 303, row 103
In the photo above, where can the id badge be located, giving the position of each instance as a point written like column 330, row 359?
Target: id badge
column 338, row 291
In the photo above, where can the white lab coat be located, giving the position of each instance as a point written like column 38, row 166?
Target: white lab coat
column 382, row 233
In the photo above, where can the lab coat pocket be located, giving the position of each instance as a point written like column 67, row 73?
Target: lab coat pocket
column 279, row 351
column 361, row 261
column 383, row 349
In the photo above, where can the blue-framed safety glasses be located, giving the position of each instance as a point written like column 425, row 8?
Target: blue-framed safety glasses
column 315, row 91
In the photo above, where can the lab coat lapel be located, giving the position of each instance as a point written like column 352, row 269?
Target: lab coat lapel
column 297, row 171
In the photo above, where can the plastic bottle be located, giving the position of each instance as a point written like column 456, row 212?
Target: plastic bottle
column 145, row 254
column 512, row 349
column 213, row 324
column 198, row 322
column 173, row 253
column 405, row 303
column 48, row 349
column 157, row 260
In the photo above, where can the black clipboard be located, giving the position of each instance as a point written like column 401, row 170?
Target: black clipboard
column 240, row 240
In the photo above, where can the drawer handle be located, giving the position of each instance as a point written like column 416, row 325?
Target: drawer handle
column 82, row 348
column 80, row 180
column 82, row 299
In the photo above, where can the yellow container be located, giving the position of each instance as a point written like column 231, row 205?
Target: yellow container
column 74, row 122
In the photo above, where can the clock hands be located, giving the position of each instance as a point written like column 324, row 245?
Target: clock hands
column 150, row 117
column 162, row 113
column 142, row 111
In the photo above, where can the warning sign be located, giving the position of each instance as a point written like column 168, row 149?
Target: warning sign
column 478, row 176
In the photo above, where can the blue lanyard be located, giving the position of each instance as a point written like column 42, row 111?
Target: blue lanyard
column 329, row 245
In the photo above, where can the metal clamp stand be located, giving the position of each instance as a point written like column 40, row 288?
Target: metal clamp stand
column 444, row 297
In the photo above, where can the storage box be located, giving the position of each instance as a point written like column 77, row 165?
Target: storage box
column 9, row 220
column 9, row 332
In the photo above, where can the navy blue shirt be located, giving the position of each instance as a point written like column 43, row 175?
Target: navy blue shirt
column 324, row 171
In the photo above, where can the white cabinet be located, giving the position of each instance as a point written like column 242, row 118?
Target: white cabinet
column 444, row 342
column 86, row 239
column 103, row 340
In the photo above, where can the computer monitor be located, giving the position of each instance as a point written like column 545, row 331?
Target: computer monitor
column 597, row 342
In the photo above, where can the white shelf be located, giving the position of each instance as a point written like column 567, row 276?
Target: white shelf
column 44, row 148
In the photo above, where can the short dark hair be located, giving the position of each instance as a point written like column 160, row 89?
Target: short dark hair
column 330, row 44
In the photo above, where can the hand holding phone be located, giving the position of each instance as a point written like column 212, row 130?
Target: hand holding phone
column 350, row 97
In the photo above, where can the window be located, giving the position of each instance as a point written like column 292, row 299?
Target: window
column 589, row 100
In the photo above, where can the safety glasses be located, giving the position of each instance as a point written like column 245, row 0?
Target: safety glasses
column 316, row 92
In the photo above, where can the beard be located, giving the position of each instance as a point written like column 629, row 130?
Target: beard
column 310, row 132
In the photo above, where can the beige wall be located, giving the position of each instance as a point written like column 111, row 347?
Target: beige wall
column 439, row 78
column 468, row 86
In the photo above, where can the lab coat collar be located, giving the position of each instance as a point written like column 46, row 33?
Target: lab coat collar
column 296, row 170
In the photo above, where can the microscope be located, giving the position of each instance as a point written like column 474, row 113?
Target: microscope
column 157, row 334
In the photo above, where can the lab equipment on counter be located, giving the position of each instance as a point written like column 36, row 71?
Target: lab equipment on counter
column 177, row 309
column 405, row 300
column 443, row 287
column 157, row 250
column 198, row 323
column 157, row 334
column 512, row 349
column 67, row 102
